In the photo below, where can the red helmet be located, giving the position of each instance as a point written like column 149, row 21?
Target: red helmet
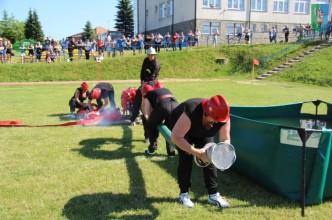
column 217, row 108
column 84, row 86
column 95, row 93
column 146, row 88
column 158, row 85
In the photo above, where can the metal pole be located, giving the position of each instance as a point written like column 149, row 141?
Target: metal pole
column 145, row 18
column 249, row 14
column 172, row 17
column 195, row 24
column 303, row 135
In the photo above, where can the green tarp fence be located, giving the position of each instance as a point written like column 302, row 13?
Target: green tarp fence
column 269, row 149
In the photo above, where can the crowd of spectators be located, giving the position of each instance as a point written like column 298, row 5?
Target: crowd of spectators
column 96, row 49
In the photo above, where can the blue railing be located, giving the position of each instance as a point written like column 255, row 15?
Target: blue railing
column 285, row 51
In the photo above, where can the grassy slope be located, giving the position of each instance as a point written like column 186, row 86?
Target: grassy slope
column 197, row 63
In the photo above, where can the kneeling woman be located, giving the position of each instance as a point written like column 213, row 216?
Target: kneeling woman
column 77, row 101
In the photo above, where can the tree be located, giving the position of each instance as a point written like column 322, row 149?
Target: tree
column 10, row 28
column 38, row 34
column 28, row 26
column 88, row 33
column 32, row 27
column 125, row 17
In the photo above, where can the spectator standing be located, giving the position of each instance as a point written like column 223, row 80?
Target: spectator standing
column 47, row 42
column 108, row 47
column 148, row 42
column 158, row 39
column 52, row 43
column 64, row 46
column 9, row 51
column 100, row 45
column 122, row 44
column 286, row 32
column 140, row 44
column 175, row 40
column 308, row 29
column 23, row 55
column 39, row 50
column 168, row 39
column 241, row 32
column 4, row 52
column 93, row 47
column 2, row 48
column 79, row 46
column 128, row 44
column 247, row 34
column 57, row 51
column 300, row 31
column 191, row 40
column 273, row 35
column 113, row 46
column 197, row 37
column 215, row 37
column 31, row 52
column 181, row 40
column 71, row 47
column 134, row 44
column 87, row 49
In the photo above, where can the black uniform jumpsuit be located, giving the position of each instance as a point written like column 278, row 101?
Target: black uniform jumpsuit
column 198, row 135
column 162, row 102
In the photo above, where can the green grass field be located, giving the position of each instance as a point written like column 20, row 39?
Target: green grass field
column 91, row 172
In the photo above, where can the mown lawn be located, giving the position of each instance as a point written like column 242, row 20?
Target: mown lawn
column 93, row 172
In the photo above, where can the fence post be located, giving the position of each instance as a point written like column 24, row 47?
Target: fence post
column 207, row 40
column 250, row 37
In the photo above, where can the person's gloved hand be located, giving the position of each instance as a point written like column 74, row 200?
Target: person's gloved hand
column 132, row 123
column 97, row 113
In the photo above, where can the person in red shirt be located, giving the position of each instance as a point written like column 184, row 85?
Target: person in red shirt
column 100, row 45
column 175, row 39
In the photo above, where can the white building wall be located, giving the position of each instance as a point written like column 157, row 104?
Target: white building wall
column 184, row 10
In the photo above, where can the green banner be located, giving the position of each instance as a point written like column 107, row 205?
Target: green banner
column 319, row 16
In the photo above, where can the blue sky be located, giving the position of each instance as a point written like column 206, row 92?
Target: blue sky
column 62, row 18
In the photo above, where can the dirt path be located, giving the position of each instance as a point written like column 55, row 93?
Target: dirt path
column 94, row 81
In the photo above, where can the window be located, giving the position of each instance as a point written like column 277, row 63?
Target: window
column 280, row 6
column 236, row 4
column 170, row 7
column 210, row 27
column 162, row 11
column 211, row 3
column 232, row 28
column 323, row 1
column 302, row 6
column 263, row 28
column 259, row 5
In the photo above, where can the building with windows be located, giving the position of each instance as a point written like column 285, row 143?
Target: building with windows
column 226, row 16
